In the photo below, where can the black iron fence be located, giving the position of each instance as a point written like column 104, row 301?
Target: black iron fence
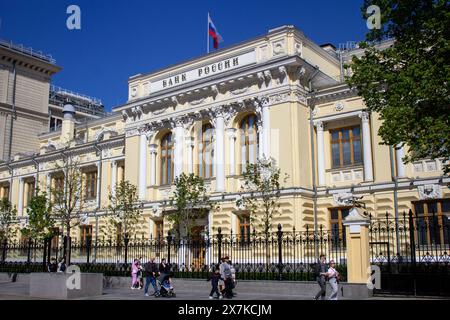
column 412, row 252
column 288, row 255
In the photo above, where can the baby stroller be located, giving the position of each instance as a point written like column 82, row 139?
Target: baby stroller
column 165, row 286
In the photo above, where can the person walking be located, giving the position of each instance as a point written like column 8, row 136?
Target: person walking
column 321, row 273
column 53, row 266
column 333, row 278
column 62, row 265
column 225, row 272
column 151, row 272
column 134, row 274
column 214, row 278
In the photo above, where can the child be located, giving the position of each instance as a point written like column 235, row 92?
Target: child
column 134, row 274
column 214, row 278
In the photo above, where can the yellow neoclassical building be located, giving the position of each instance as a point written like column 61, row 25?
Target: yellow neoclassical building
column 279, row 95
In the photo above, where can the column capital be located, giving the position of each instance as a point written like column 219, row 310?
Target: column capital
column 189, row 141
column 153, row 148
column 319, row 125
column 231, row 133
column 365, row 116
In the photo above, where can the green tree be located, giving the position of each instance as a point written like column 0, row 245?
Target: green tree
column 124, row 209
column 40, row 219
column 68, row 205
column 189, row 202
column 8, row 220
column 261, row 193
column 408, row 83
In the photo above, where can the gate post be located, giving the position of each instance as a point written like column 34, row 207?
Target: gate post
column 280, row 253
column 219, row 244
column 358, row 255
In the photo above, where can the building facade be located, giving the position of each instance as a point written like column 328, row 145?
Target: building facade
column 280, row 96
column 29, row 104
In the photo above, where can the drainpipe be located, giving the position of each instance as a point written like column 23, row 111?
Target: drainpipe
column 313, row 157
column 14, row 111
column 36, row 164
column 99, row 182
column 394, row 178
column 11, row 172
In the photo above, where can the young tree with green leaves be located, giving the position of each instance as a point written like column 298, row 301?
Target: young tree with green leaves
column 68, row 204
column 8, row 223
column 189, row 202
column 40, row 218
column 261, row 193
column 124, row 209
column 408, row 83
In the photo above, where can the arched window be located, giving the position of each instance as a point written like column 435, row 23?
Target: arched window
column 167, row 159
column 249, row 140
column 205, row 152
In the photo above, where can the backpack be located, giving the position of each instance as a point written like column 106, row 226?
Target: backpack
column 227, row 272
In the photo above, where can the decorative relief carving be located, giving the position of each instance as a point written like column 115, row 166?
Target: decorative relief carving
column 339, row 106
column 197, row 102
column 159, row 111
column 239, row 91
column 430, row 191
column 278, row 47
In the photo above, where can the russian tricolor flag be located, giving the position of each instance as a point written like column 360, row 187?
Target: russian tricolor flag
column 212, row 30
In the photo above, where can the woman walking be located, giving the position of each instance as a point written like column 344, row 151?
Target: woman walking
column 134, row 274
column 333, row 278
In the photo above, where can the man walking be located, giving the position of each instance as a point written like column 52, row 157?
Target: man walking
column 151, row 272
column 225, row 272
column 321, row 272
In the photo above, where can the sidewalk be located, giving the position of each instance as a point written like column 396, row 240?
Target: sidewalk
column 19, row 291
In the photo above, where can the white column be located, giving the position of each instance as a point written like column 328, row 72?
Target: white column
column 190, row 150
column 178, row 149
column 49, row 185
column 113, row 177
column 320, row 153
column 21, row 191
column 266, row 128
column 153, row 152
column 367, row 147
column 219, row 156
column 231, row 132
column 99, row 182
column 400, row 154
column 261, row 140
column 142, row 166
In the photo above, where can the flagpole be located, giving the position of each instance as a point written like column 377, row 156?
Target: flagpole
column 207, row 35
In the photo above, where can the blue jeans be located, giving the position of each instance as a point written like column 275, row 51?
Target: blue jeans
column 151, row 280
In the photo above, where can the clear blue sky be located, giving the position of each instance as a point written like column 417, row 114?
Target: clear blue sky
column 121, row 38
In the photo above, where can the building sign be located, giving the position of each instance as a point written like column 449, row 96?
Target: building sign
column 203, row 72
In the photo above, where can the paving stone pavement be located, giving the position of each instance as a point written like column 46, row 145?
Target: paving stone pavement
column 19, row 291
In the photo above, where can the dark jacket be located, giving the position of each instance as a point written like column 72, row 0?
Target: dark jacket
column 320, row 268
column 214, row 278
column 164, row 268
column 151, row 269
column 52, row 267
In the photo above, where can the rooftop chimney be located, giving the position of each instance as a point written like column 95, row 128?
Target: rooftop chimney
column 68, row 125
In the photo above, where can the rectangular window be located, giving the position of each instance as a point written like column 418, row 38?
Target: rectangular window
column 55, row 124
column 432, row 222
column 85, row 232
column 346, row 147
column 55, row 239
column 244, row 227
column 159, row 230
column 91, row 185
column 337, row 216
column 30, row 191
column 4, row 191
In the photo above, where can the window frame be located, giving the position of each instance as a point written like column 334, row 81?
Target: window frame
column 205, row 145
column 341, row 142
column 244, row 132
column 428, row 215
column 90, row 184
column 167, row 146
column 339, row 221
